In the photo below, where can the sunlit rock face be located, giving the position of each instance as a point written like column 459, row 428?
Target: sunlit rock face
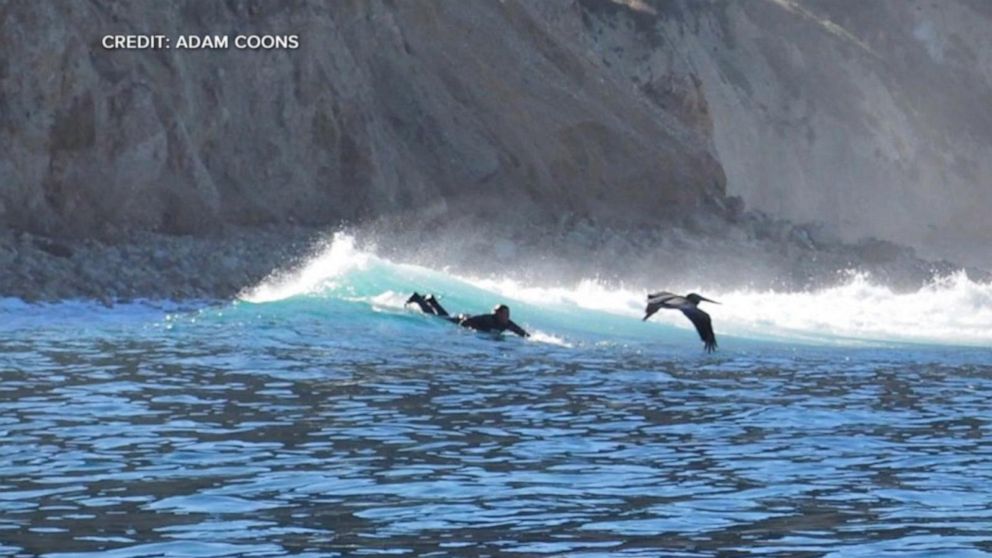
column 494, row 108
column 869, row 116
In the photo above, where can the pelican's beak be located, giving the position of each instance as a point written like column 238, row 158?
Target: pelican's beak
column 708, row 300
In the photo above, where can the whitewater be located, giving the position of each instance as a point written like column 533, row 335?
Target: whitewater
column 318, row 415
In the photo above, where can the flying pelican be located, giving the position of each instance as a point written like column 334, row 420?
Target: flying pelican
column 689, row 305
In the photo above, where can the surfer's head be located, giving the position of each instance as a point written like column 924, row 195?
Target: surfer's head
column 502, row 313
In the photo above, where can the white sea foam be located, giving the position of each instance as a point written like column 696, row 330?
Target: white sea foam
column 336, row 258
column 550, row 339
column 389, row 301
column 949, row 310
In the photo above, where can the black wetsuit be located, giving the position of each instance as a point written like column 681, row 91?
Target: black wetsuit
column 489, row 322
column 482, row 322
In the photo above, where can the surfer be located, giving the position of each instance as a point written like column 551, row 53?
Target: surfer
column 499, row 321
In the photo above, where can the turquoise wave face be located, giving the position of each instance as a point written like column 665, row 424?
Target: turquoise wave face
column 374, row 296
column 375, row 289
column 951, row 311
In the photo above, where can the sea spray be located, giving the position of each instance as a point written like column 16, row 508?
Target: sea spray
column 333, row 259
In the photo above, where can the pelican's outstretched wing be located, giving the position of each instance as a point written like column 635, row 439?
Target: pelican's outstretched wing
column 663, row 299
column 703, row 325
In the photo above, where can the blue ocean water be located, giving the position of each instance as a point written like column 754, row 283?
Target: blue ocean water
column 319, row 417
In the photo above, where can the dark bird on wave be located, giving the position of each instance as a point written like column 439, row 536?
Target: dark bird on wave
column 689, row 305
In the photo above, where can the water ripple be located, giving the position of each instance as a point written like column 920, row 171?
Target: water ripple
column 200, row 440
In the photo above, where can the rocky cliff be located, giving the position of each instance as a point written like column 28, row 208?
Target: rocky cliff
column 385, row 107
column 674, row 125
column 871, row 117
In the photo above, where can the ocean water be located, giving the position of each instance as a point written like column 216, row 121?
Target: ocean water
column 319, row 417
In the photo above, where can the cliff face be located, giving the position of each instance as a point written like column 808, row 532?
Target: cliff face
column 872, row 117
column 869, row 117
column 430, row 107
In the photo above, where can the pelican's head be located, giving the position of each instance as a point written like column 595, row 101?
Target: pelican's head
column 696, row 299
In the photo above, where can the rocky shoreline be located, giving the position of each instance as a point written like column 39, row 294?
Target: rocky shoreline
column 147, row 265
column 749, row 250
